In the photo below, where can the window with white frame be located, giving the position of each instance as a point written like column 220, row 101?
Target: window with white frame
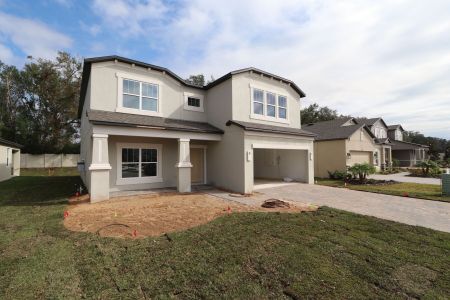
column 140, row 95
column 269, row 104
column 193, row 102
column 138, row 163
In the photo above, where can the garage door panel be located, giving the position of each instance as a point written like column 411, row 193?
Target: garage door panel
column 360, row 157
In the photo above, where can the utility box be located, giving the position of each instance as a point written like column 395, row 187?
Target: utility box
column 446, row 184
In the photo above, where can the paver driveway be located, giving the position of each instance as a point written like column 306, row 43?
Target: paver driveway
column 431, row 214
column 402, row 177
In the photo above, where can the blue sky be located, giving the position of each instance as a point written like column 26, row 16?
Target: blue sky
column 364, row 58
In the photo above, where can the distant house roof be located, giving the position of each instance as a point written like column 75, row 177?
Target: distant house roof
column 370, row 121
column 122, row 119
column 335, row 129
column 394, row 127
column 386, row 141
column 89, row 61
column 271, row 129
column 10, row 144
column 400, row 145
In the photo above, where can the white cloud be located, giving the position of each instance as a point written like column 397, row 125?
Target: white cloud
column 32, row 37
column 6, row 55
column 365, row 58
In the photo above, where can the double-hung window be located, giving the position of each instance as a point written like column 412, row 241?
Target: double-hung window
column 139, row 163
column 140, row 95
column 269, row 105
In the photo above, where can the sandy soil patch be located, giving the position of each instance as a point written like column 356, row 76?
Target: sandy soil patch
column 154, row 215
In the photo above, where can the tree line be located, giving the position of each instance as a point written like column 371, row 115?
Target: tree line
column 315, row 113
column 38, row 104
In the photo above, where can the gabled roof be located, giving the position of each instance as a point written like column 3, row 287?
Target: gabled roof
column 335, row 129
column 89, row 61
column 10, row 144
column 270, row 128
column 401, row 145
column 385, row 141
column 394, row 127
column 370, row 121
column 121, row 119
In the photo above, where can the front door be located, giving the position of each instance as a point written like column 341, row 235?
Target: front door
column 197, row 161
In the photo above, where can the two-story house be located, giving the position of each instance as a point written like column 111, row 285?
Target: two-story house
column 143, row 127
column 406, row 153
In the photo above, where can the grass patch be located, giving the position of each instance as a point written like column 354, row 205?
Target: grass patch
column 414, row 190
column 49, row 172
column 325, row 254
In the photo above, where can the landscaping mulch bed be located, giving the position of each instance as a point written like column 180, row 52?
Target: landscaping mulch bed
column 370, row 182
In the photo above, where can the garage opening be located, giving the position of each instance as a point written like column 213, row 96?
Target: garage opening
column 274, row 167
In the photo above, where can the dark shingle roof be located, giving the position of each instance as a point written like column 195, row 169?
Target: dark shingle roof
column 383, row 141
column 89, row 61
column 370, row 121
column 400, row 145
column 9, row 143
column 333, row 130
column 394, row 127
column 122, row 119
column 270, row 128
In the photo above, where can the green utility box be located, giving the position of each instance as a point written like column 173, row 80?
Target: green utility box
column 446, row 184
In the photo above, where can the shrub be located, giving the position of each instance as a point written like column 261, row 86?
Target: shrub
column 395, row 163
column 340, row 175
column 361, row 171
column 429, row 168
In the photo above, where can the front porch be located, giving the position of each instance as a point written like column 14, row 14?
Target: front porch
column 138, row 160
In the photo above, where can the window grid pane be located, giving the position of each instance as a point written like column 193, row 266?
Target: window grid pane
column 258, row 95
column 271, row 98
column 271, row 109
column 258, row 108
column 193, row 102
column 149, row 104
column 282, row 101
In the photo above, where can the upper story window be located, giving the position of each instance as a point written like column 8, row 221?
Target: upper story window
column 140, row 95
column 193, row 102
column 398, row 135
column 268, row 104
column 380, row 133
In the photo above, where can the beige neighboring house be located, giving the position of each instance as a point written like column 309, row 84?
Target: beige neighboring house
column 408, row 154
column 9, row 159
column 143, row 127
column 342, row 143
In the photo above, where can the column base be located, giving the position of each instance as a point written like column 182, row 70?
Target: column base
column 99, row 185
column 184, row 179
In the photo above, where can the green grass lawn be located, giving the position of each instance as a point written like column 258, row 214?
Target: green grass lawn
column 414, row 190
column 49, row 172
column 325, row 254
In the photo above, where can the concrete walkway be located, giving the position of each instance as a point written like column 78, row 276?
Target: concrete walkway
column 426, row 213
column 402, row 177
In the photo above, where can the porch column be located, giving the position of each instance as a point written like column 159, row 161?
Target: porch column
column 184, row 166
column 99, row 168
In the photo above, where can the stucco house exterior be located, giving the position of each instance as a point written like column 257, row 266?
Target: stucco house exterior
column 342, row 143
column 143, row 127
column 9, row 159
column 408, row 154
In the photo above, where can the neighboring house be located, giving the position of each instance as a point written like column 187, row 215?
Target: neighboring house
column 342, row 143
column 9, row 159
column 408, row 154
column 143, row 127
column 379, row 129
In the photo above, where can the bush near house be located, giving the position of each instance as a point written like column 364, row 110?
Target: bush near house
column 361, row 171
column 426, row 168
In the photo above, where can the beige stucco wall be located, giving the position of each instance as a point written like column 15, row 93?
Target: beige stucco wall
column 104, row 90
column 9, row 162
column 86, row 140
column 329, row 156
column 362, row 141
column 242, row 103
column 219, row 104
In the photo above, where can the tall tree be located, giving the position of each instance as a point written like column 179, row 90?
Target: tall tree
column 45, row 117
column 198, row 79
column 315, row 113
column 11, row 96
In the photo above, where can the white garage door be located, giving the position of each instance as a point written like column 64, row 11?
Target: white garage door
column 360, row 157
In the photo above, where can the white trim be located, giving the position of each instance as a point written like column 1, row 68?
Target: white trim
column 138, row 180
column 94, row 167
column 193, row 108
column 278, row 146
column 140, row 79
column 264, row 116
column 99, row 135
column 204, row 147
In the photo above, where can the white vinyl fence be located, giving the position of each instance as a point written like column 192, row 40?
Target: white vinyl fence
column 48, row 160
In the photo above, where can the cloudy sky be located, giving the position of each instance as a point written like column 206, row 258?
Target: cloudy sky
column 384, row 58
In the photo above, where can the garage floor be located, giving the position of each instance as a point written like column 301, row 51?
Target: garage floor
column 269, row 183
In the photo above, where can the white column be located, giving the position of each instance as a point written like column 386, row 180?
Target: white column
column 184, row 166
column 99, row 168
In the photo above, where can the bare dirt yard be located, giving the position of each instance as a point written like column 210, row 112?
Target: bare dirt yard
column 154, row 215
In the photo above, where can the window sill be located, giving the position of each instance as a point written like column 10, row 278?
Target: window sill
column 269, row 119
column 138, row 180
column 138, row 112
column 192, row 108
